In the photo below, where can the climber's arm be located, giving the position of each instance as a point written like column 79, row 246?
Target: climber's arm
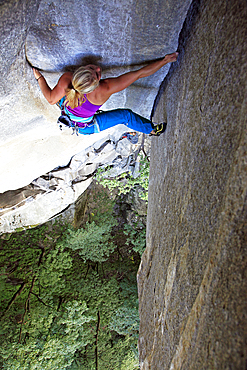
column 55, row 94
column 120, row 83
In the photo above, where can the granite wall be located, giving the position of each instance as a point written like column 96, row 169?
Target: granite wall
column 56, row 36
column 192, row 278
column 59, row 35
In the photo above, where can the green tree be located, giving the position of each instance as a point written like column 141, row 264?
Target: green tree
column 125, row 182
column 69, row 297
column 50, row 341
column 93, row 242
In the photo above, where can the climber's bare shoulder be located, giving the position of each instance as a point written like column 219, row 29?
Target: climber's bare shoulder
column 65, row 80
column 61, row 87
column 101, row 94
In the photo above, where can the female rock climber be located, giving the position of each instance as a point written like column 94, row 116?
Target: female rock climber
column 81, row 94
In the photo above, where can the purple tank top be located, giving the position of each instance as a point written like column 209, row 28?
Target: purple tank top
column 85, row 110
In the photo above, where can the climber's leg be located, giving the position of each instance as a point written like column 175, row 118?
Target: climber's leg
column 126, row 117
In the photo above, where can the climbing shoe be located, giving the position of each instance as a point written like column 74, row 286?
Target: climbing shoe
column 159, row 129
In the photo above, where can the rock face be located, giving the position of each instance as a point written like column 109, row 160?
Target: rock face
column 50, row 194
column 59, row 35
column 192, row 278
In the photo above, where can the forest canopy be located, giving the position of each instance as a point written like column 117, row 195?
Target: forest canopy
column 69, row 295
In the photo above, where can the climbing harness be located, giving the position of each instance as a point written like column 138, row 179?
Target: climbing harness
column 65, row 122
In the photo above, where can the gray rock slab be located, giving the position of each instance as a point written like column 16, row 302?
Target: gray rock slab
column 55, row 36
column 16, row 20
column 64, row 184
column 192, row 278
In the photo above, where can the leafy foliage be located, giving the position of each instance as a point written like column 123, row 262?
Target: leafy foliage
column 52, row 339
column 93, row 242
column 125, row 182
column 136, row 238
column 69, row 297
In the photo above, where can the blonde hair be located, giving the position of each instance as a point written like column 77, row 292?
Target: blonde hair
column 83, row 82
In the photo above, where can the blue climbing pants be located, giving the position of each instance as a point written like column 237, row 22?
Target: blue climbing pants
column 116, row 117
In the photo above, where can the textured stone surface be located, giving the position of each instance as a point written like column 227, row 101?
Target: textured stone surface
column 50, row 194
column 54, row 38
column 192, row 279
column 58, row 35
column 115, row 34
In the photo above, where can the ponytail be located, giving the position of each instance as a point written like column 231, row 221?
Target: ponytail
column 73, row 98
column 83, row 82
